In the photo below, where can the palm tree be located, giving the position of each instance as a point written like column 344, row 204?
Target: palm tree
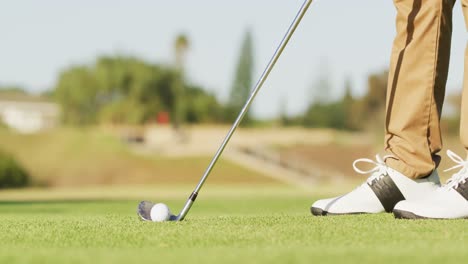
column 181, row 46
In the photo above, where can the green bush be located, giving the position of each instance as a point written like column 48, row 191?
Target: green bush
column 12, row 175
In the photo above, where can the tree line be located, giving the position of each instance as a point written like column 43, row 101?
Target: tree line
column 348, row 113
column 128, row 90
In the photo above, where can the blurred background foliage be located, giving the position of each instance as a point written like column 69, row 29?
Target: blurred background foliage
column 12, row 174
column 126, row 90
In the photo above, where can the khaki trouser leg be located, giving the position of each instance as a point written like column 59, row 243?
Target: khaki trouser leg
column 416, row 89
column 464, row 108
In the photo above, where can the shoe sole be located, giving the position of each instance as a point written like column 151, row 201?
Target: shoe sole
column 319, row 212
column 400, row 214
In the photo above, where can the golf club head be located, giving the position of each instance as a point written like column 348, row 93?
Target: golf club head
column 144, row 212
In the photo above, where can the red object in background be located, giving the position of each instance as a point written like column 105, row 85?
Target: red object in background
column 163, row 118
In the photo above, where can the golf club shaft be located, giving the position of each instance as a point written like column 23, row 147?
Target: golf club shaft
column 246, row 107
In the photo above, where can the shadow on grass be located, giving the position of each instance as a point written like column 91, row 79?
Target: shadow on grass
column 66, row 206
column 64, row 201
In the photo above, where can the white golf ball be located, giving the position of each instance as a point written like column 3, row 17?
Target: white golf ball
column 160, row 213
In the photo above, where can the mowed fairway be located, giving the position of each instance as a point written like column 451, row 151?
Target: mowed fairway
column 236, row 224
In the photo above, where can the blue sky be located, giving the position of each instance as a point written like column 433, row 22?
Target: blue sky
column 40, row 38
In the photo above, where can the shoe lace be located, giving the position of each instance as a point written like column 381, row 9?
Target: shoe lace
column 462, row 175
column 378, row 172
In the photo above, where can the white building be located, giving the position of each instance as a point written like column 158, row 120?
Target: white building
column 28, row 115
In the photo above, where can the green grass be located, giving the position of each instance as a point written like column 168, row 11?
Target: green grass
column 226, row 225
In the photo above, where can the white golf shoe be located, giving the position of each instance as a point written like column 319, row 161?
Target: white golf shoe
column 447, row 202
column 380, row 193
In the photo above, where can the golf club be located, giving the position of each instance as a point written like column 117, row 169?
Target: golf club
column 147, row 210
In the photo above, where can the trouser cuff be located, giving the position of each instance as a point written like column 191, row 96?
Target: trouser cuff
column 403, row 168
